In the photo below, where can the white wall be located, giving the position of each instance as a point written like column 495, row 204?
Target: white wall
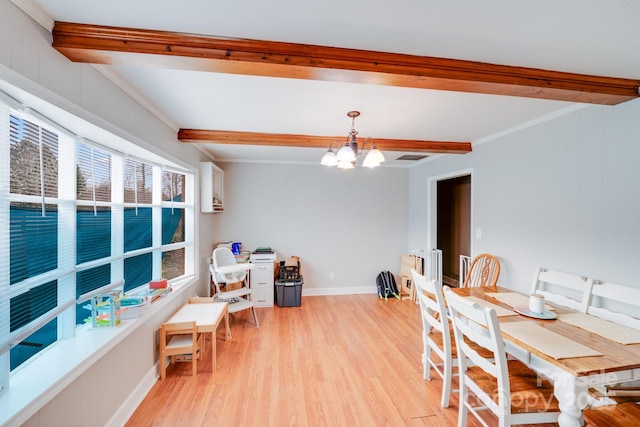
column 352, row 223
column 562, row 194
column 26, row 55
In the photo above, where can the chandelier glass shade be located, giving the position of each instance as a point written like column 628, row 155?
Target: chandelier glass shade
column 348, row 154
column 329, row 158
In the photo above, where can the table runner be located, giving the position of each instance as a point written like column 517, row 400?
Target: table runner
column 610, row 330
column 513, row 299
column 500, row 311
column 546, row 341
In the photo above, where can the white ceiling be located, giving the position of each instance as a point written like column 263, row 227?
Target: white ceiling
column 598, row 37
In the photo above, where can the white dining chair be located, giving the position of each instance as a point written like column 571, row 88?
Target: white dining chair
column 565, row 289
column 508, row 388
column 616, row 303
column 436, row 333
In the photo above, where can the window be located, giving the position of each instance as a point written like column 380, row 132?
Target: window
column 80, row 217
column 174, row 192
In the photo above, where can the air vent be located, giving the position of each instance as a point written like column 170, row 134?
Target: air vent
column 412, row 157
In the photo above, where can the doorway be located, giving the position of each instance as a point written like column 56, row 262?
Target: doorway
column 453, row 225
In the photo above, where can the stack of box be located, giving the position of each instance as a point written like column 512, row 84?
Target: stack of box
column 289, row 283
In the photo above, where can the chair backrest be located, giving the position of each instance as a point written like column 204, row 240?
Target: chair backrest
column 201, row 300
column 474, row 324
column 616, row 303
column 568, row 290
column 432, row 306
column 178, row 338
column 222, row 257
column 484, row 271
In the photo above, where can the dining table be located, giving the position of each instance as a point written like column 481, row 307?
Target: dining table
column 575, row 350
column 208, row 317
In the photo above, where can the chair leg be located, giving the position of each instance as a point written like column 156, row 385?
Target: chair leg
column 446, row 382
column 226, row 320
column 425, row 366
column 255, row 317
column 462, row 404
column 426, row 358
column 163, row 366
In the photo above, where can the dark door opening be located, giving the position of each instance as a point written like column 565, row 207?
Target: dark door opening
column 454, row 225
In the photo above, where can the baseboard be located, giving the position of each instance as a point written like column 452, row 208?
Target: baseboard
column 135, row 398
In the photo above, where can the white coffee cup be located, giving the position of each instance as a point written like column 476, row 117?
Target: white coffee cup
column 536, row 303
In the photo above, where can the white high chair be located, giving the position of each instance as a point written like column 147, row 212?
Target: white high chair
column 224, row 269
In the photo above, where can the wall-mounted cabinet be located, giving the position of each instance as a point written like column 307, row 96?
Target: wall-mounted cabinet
column 211, row 188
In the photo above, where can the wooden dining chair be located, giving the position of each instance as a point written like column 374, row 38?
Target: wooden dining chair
column 508, row 388
column 436, row 333
column 568, row 290
column 483, row 271
column 179, row 339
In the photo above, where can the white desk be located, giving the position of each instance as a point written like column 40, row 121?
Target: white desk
column 572, row 376
column 207, row 317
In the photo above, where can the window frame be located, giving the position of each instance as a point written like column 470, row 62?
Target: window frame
column 67, row 202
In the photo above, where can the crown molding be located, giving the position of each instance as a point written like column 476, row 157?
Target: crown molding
column 36, row 13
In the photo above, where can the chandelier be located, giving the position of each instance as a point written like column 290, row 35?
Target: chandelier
column 347, row 155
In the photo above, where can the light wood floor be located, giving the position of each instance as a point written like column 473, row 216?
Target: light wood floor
column 348, row 360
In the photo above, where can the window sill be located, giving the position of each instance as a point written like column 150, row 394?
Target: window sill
column 35, row 383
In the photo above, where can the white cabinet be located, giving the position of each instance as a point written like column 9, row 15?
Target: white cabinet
column 261, row 283
column 211, row 188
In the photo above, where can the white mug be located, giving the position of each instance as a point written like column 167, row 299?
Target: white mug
column 536, row 303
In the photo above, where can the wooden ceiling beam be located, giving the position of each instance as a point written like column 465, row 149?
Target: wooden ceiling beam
column 308, row 141
column 113, row 45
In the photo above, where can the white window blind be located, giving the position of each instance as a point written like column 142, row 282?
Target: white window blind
column 40, row 287
column 76, row 219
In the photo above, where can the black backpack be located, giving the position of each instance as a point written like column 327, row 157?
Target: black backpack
column 387, row 285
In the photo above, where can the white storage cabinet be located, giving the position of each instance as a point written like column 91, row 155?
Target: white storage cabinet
column 211, row 188
column 261, row 280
